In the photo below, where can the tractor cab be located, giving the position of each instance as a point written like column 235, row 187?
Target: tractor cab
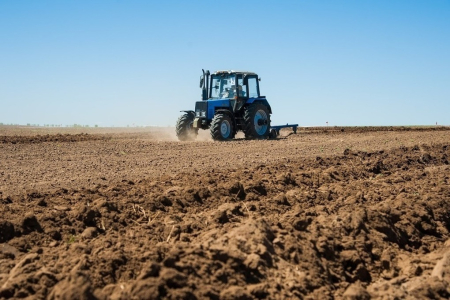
column 229, row 85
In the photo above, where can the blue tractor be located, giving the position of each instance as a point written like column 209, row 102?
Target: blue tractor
column 231, row 102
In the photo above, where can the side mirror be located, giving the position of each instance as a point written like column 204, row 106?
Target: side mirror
column 245, row 79
column 202, row 79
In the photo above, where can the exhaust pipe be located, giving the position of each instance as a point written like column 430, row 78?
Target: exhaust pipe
column 207, row 84
column 202, row 85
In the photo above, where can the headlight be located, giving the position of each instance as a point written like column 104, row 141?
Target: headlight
column 203, row 114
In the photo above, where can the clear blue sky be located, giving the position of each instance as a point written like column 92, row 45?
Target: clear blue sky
column 138, row 62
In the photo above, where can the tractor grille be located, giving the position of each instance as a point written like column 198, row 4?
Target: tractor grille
column 200, row 108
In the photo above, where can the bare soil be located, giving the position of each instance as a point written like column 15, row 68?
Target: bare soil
column 327, row 213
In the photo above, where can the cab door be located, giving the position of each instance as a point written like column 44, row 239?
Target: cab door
column 252, row 87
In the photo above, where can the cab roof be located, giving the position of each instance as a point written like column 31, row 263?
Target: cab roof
column 234, row 72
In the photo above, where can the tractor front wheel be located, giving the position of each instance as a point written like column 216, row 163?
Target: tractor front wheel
column 184, row 128
column 257, row 122
column 221, row 127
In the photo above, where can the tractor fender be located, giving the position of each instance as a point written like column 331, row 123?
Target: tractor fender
column 225, row 111
column 191, row 112
column 260, row 100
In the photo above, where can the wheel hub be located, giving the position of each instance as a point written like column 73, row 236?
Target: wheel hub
column 225, row 129
column 261, row 122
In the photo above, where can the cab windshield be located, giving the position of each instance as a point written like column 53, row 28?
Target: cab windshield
column 223, row 86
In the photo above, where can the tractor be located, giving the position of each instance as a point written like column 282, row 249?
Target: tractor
column 231, row 102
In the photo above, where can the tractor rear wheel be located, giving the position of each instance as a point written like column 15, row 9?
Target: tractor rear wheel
column 221, row 127
column 257, row 121
column 184, row 128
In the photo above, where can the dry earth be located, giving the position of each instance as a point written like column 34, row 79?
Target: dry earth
column 328, row 213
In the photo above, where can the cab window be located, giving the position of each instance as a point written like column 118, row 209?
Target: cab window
column 252, row 88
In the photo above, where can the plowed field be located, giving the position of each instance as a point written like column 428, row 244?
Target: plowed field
column 327, row 213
